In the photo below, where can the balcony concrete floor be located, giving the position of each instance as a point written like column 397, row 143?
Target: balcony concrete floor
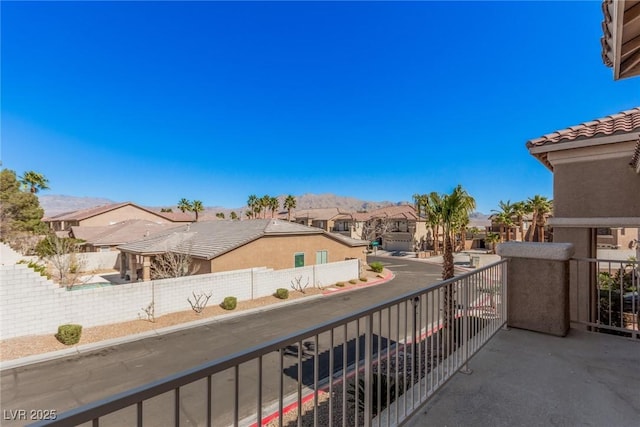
column 523, row 378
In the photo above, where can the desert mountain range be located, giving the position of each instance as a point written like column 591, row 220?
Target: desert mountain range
column 54, row 204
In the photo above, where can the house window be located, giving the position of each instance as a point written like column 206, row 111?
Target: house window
column 298, row 260
column 604, row 232
column 321, row 257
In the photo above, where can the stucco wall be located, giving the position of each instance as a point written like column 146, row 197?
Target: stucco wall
column 606, row 188
column 32, row 305
column 278, row 252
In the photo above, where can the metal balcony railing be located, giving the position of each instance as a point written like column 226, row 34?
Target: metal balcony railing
column 373, row 367
column 604, row 295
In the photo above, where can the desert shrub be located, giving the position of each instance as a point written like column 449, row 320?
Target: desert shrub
column 69, row 334
column 363, row 279
column 353, row 281
column 229, row 303
column 281, row 293
column 42, row 269
column 340, row 285
column 376, row 267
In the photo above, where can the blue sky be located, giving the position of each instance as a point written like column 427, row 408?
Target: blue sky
column 151, row 102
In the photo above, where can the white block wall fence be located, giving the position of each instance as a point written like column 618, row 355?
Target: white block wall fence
column 32, row 305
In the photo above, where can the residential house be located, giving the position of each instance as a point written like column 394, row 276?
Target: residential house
column 113, row 214
column 106, row 238
column 324, row 218
column 215, row 246
column 596, row 185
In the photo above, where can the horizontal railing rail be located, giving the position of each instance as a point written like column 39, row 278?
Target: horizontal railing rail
column 374, row 365
column 604, row 295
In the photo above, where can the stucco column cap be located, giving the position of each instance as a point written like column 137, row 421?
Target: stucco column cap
column 536, row 250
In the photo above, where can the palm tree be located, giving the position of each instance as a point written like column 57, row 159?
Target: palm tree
column 274, row 205
column 540, row 206
column 252, row 203
column 264, row 204
column 196, row 206
column 185, row 205
column 289, row 203
column 492, row 238
column 34, row 181
column 520, row 209
column 432, row 205
column 455, row 209
column 504, row 217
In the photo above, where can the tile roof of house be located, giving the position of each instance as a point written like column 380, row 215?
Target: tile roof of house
column 625, row 122
column 83, row 214
column 394, row 212
column 319, row 214
column 209, row 239
column 120, row 233
column 626, row 27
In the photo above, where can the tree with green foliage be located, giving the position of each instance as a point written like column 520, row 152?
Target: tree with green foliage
column 540, row 207
column 220, row 215
column 63, row 255
column 264, row 204
column 34, row 181
column 252, row 204
column 289, row 204
column 274, row 205
column 520, row 210
column 185, row 205
column 233, row 215
column 167, row 210
column 197, row 207
column 504, row 218
column 20, row 211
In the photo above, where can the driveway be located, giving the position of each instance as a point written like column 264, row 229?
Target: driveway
column 64, row 384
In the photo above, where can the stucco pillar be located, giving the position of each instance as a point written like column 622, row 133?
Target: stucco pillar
column 123, row 265
column 146, row 269
column 133, row 268
column 538, row 285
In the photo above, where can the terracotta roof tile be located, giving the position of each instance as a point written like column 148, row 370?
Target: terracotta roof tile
column 623, row 122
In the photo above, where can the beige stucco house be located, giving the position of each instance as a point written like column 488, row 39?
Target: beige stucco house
column 596, row 186
column 106, row 238
column 596, row 178
column 215, row 246
column 112, row 214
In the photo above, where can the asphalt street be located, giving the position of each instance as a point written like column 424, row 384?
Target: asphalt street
column 64, row 384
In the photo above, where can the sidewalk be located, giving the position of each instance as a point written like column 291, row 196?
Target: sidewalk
column 84, row 348
column 460, row 259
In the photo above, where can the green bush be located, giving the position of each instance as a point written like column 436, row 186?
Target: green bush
column 281, row 293
column 353, row 281
column 340, row 285
column 363, row 279
column 229, row 303
column 42, row 269
column 376, row 267
column 69, row 334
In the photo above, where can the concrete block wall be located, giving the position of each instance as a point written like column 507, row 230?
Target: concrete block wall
column 32, row 305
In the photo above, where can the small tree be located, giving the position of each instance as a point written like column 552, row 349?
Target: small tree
column 172, row 264
column 233, row 215
column 63, row 255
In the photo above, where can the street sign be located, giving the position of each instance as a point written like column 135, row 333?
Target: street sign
column 375, row 243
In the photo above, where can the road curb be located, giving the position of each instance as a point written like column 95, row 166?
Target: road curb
column 85, row 348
